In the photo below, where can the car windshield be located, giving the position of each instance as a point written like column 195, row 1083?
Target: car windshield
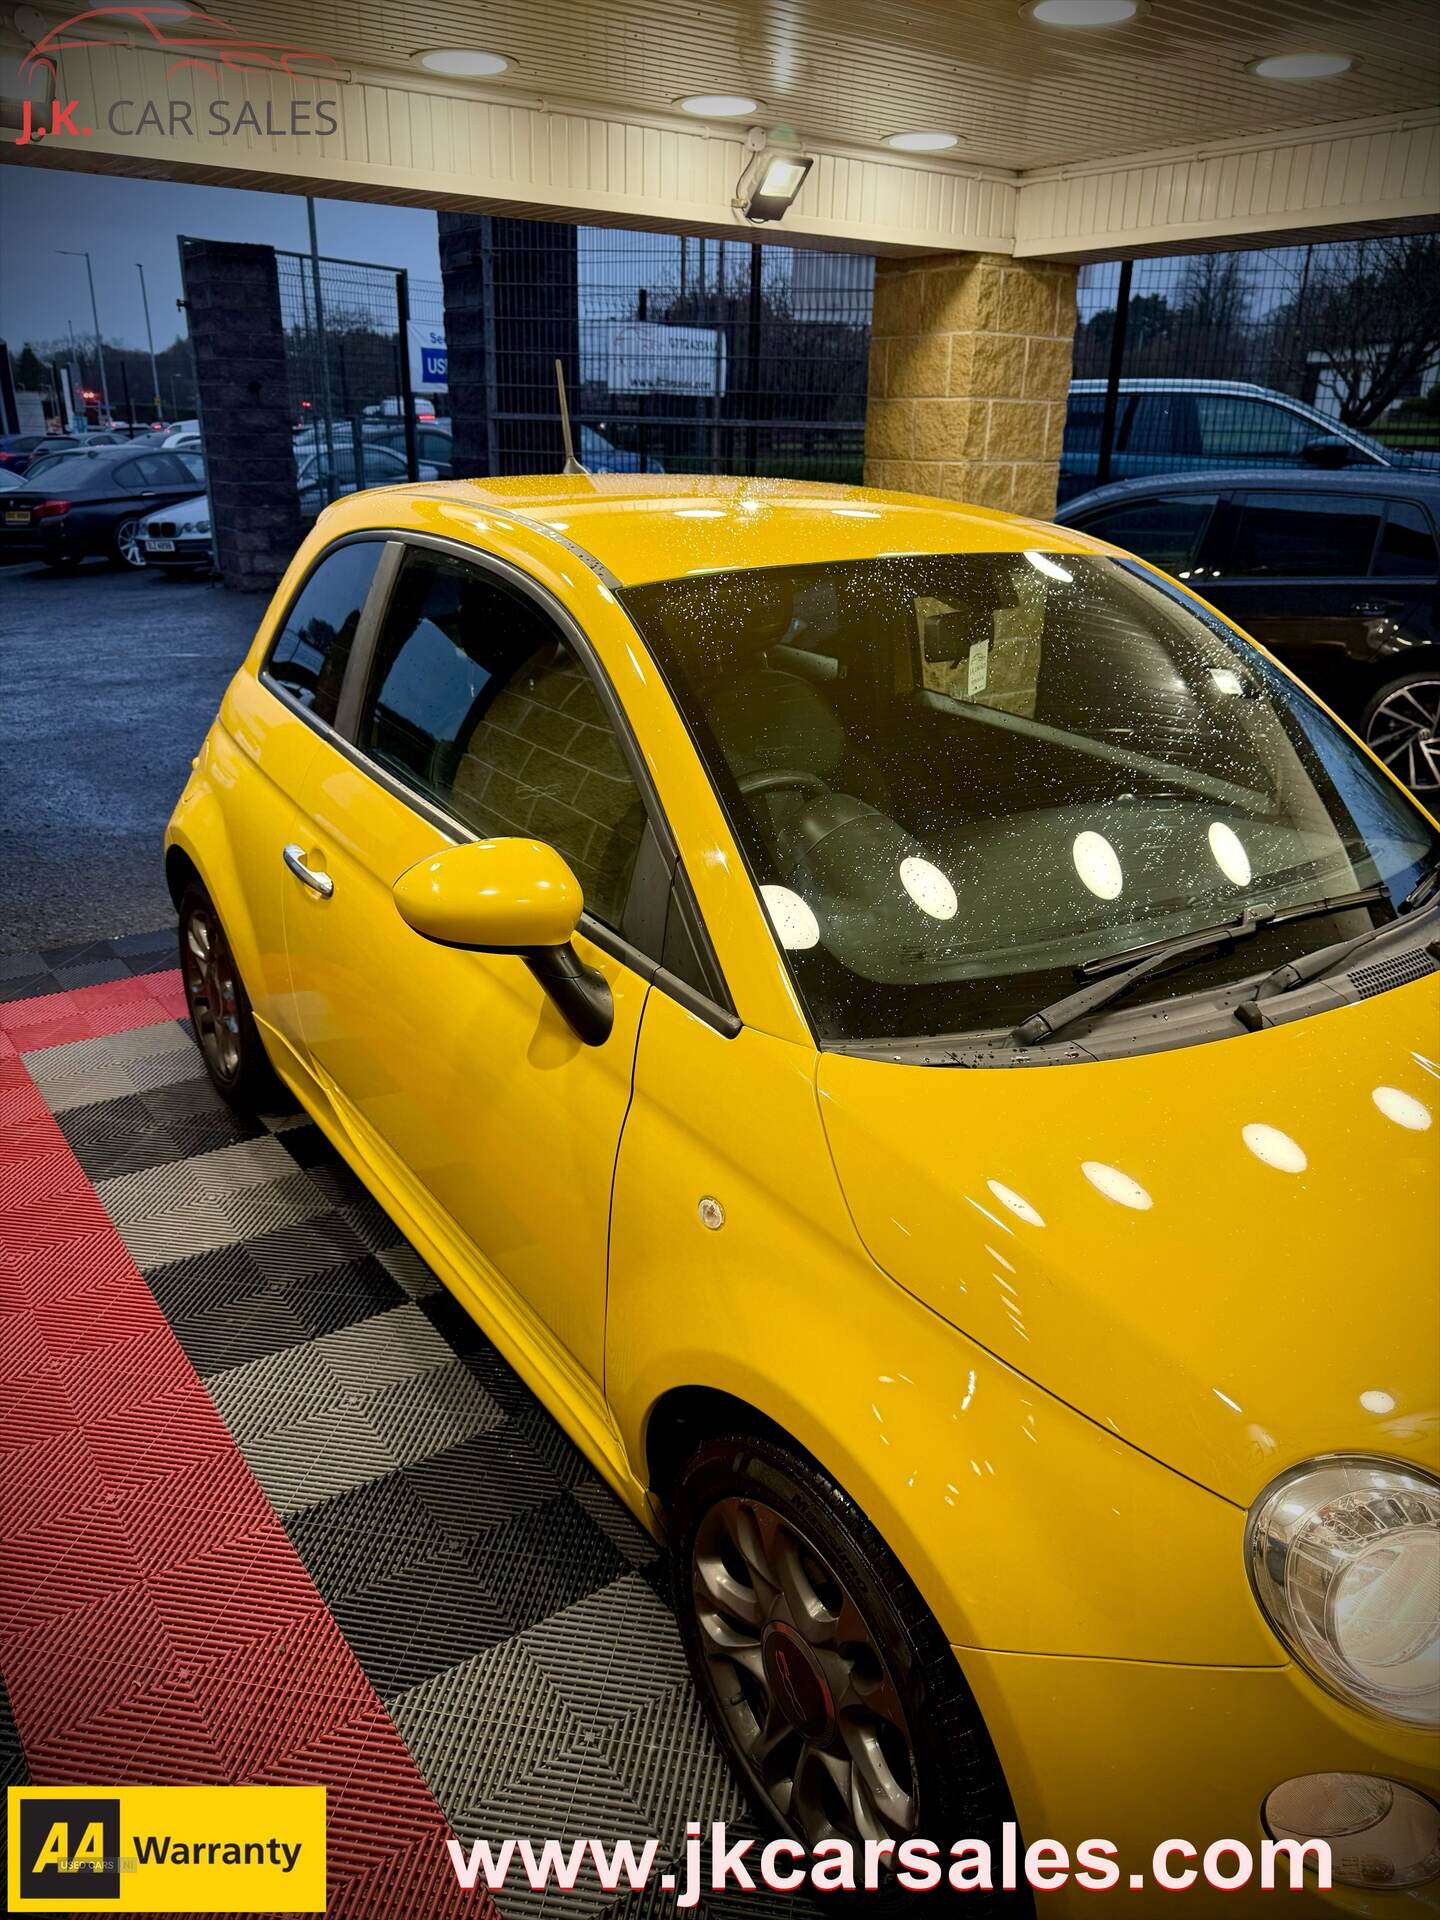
column 958, row 778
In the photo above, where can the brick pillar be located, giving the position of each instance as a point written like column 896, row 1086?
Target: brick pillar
column 232, row 300
column 512, row 308
column 467, row 273
column 969, row 369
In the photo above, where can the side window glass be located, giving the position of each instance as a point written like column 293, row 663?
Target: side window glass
column 1408, row 543
column 1156, row 425
column 1164, row 531
column 478, row 703
column 313, row 646
column 1234, row 427
column 1306, row 535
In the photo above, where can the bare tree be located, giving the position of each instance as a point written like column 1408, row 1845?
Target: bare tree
column 1215, row 294
column 1368, row 314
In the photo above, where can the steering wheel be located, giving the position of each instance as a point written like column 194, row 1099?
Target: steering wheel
column 780, row 780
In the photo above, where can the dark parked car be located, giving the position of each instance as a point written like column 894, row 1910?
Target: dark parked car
column 93, row 500
column 1337, row 573
column 18, row 451
column 1169, row 426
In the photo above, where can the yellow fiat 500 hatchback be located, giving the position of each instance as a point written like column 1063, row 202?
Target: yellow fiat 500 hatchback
column 922, row 1045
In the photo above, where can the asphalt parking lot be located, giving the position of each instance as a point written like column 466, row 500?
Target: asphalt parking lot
column 108, row 680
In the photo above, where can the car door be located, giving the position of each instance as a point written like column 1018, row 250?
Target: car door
column 262, row 751
column 1296, row 574
column 453, row 1073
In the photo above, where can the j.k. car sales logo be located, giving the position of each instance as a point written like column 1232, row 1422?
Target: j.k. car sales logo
column 194, row 40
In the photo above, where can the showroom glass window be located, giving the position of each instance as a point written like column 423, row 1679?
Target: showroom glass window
column 313, row 646
column 478, row 702
column 956, row 778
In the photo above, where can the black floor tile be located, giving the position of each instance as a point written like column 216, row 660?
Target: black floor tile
column 545, row 1560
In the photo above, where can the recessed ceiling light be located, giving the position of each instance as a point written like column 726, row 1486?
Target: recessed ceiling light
column 1302, row 66
column 463, row 63
column 718, row 106
column 922, row 142
column 1082, row 13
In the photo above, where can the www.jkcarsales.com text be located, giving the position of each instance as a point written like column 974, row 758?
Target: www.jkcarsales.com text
column 720, row 1864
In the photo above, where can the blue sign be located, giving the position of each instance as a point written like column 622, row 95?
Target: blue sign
column 433, row 361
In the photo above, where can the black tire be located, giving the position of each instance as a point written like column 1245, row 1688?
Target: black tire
column 127, row 547
column 220, row 1013
column 944, row 1760
column 1401, row 726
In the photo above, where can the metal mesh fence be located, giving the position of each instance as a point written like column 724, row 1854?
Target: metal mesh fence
column 343, row 344
column 681, row 354
column 1326, row 355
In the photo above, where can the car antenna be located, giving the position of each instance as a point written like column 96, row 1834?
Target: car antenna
column 572, row 465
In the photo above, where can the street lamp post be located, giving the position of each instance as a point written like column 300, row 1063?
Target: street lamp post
column 154, row 365
column 76, row 254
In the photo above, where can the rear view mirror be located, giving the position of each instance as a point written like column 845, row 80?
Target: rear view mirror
column 1329, row 451
column 511, row 896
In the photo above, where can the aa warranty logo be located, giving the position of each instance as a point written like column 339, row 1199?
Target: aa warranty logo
column 80, row 1850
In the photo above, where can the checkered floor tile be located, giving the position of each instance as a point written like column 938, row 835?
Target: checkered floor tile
column 505, row 1607
column 58, row 969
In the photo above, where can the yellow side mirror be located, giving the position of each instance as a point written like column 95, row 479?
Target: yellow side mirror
column 497, row 896
column 511, row 896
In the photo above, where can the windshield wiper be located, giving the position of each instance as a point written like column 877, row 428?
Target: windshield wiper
column 1314, row 966
column 1167, row 954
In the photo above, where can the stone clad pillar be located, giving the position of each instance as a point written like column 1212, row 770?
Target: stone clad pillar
column 970, row 360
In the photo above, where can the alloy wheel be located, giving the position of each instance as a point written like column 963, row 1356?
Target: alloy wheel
column 212, row 992
column 800, row 1680
column 128, row 543
column 1404, row 730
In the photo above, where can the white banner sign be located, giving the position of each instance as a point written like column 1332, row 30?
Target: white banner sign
column 429, row 363
column 648, row 357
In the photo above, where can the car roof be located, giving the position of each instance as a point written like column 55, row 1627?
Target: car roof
column 1381, row 480
column 638, row 527
column 1181, row 383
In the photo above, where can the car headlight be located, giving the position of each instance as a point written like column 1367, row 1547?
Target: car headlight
column 1344, row 1558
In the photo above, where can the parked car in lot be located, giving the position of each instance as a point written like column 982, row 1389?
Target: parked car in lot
column 10, row 481
column 19, row 451
column 435, row 446
column 1180, row 425
column 93, row 500
column 833, row 982
column 378, row 466
column 1337, row 573
column 177, row 540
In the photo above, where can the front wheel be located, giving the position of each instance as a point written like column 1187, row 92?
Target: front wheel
column 219, row 1007
column 1401, row 726
column 827, row 1679
column 128, row 544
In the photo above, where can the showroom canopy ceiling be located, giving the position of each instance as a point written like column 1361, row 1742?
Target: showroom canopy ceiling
column 934, row 125
column 1017, row 92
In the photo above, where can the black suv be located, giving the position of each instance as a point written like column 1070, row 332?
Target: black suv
column 1336, row 573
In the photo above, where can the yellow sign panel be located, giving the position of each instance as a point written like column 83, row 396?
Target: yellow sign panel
column 81, row 1850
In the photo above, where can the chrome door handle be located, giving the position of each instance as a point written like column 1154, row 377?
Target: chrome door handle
column 1372, row 608
column 321, row 883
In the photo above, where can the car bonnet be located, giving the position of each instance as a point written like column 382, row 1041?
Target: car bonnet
column 1227, row 1254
